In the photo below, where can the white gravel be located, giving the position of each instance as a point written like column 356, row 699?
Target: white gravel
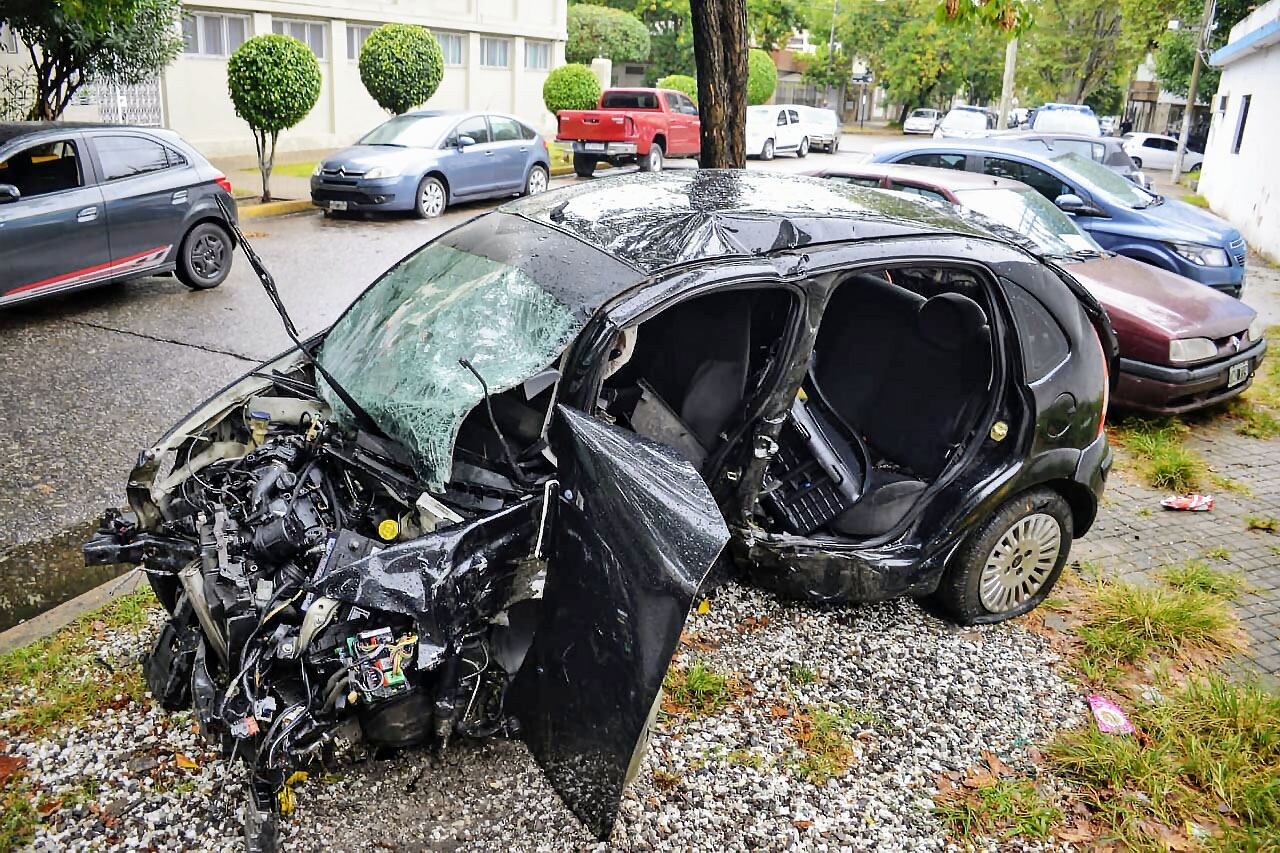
column 929, row 698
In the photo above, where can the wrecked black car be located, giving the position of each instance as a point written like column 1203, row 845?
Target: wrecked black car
column 483, row 502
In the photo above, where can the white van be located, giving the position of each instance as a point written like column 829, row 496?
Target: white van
column 823, row 128
column 774, row 128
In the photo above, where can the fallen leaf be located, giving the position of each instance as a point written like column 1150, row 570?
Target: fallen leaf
column 98, row 626
column 1172, row 838
column 45, row 488
column 998, row 767
column 184, row 762
column 48, row 807
column 979, row 779
column 9, row 766
column 779, row 711
column 802, row 824
column 1079, row 832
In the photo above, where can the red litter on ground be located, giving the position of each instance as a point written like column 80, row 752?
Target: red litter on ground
column 1111, row 720
column 1191, row 503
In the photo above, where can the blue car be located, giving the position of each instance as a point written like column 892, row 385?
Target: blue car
column 1120, row 215
column 424, row 161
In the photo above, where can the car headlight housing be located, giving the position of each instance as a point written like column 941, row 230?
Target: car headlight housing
column 380, row 172
column 1191, row 349
column 1257, row 329
column 1204, row 256
column 315, row 173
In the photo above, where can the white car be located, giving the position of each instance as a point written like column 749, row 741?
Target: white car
column 1152, row 151
column 923, row 120
column 774, row 128
column 965, row 122
column 822, row 127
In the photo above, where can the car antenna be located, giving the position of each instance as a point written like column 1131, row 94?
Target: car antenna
column 506, row 448
column 269, row 285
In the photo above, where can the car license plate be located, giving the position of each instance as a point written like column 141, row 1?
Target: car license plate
column 593, row 146
column 1238, row 373
column 337, row 205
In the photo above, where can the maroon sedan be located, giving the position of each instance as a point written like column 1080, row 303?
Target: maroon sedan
column 1183, row 346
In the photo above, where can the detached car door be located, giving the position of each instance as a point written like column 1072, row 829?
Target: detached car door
column 53, row 234
column 634, row 532
column 145, row 185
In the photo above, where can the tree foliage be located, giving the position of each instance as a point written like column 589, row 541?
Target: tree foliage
column 771, row 22
column 670, row 24
column 274, row 81
column 1076, row 49
column 828, row 70
column 401, row 66
column 73, row 42
column 762, row 77
column 681, row 83
column 1175, row 52
column 571, row 87
column 602, row 31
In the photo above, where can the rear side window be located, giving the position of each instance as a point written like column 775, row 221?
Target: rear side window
column 782, row 119
column 794, row 116
column 1043, row 182
column 937, row 161
column 49, row 167
column 1044, row 344
column 127, row 156
column 504, row 129
column 527, row 132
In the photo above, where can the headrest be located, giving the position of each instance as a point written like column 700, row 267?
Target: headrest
column 951, row 320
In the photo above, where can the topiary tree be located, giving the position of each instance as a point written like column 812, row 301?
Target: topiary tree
column 681, row 83
column 401, row 66
column 762, row 77
column 571, row 87
column 274, row 82
column 602, row 31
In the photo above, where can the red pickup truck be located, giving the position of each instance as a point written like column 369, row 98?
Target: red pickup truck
column 632, row 125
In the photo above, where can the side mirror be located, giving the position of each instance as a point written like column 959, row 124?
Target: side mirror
column 465, row 142
column 1070, row 203
column 8, row 193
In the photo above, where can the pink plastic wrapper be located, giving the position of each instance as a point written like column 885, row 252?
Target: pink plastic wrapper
column 1111, row 720
column 1191, row 503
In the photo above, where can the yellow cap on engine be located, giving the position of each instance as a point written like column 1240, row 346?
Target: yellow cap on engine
column 389, row 529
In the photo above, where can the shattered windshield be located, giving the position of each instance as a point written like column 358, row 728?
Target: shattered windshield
column 397, row 350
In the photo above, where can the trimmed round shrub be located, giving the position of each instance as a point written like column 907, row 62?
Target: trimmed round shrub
column 603, row 31
column 762, row 77
column 571, row 87
column 401, row 66
column 681, row 83
column 274, row 81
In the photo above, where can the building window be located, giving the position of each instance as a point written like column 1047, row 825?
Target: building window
column 453, row 46
column 314, row 34
column 495, row 53
column 213, row 34
column 357, row 34
column 1244, row 116
column 8, row 40
column 537, row 55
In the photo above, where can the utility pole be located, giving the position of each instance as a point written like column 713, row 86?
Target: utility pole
column 1006, row 86
column 1206, row 24
column 831, row 52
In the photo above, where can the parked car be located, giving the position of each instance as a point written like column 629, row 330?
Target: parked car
column 965, row 122
column 1106, row 150
column 922, row 120
column 1153, row 151
column 773, row 129
column 86, row 204
column 642, row 126
column 1018, row 116
column 1066, row 118
column 1183, row 346
column 822, row 127
column 1108, row 125
column 491, row 493
column 424, row 161
column 1121, row 216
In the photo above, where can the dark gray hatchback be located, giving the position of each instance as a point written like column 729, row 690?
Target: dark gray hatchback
column 85, row 204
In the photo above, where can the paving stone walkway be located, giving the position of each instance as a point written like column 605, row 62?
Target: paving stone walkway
column 1134, row 536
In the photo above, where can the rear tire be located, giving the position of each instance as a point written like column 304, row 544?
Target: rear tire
column 803, row 150
column 584, row 165
column 766, row 153
column 652, row 162
column 1010, row 563
column 537, row 181
column 204, row 258
column 834, row 146
column 1137, row 161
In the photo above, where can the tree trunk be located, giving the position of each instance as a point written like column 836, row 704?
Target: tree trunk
column 720, row 50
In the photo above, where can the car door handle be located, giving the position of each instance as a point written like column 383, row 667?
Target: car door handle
column 180, row 197
column 488, row 153
column 89, row 214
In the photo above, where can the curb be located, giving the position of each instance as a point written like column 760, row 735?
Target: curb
column 274, row 208
column 52, row 621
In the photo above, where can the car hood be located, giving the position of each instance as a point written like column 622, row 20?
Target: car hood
column 1193, row 223
column 362, row 158
column 1150, row 303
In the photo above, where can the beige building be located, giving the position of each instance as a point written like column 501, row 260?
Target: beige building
column 497, row 54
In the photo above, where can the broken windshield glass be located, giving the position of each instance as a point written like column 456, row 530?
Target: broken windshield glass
column 397, row 350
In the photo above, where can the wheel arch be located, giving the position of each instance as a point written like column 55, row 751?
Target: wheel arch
column 1081, row 500
column 444, row 180
column 200, row 219
column 659, row 139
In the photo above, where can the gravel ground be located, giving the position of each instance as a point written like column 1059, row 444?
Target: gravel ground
column 927, row 698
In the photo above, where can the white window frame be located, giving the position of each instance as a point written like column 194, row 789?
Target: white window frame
column 485, row 41
column 544, row 47
column 8, row 40
column 459, row 39
column 223, row 18
column 354, row 44
column 307, row 23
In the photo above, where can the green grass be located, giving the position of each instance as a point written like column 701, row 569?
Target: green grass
column 825, row 745
column 1210, row 753
column 1196, row 199
column 1163, row 461
column 71, row 681
column 1009, row 808
column 1264, row 523
column 292, row 170
column 18, row 816
column 1218, row 553
column 1197, row 576
column 1257, row 410
column 697, row 690
column 801, row 675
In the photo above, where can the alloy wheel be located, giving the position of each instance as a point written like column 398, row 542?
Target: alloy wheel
column 207, row 255
column 431, row 199
column 655, row 158
column 1020, row 563
column 537, row 181
column 767, row 153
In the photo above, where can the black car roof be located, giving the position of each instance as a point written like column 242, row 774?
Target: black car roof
column 654, row 221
